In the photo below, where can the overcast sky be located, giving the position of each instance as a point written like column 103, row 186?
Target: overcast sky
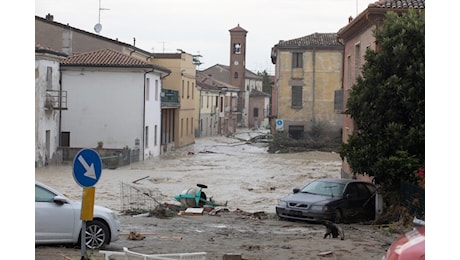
column 201, row 26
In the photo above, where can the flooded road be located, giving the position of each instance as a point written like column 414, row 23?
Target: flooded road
column 242, row 175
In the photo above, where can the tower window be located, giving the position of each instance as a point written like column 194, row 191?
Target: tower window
column 237, row 48
column 235, row 75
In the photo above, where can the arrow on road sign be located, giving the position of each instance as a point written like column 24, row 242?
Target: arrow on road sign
column 89, row 169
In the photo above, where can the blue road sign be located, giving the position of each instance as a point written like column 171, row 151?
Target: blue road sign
column 87, row 167
column 279, row 125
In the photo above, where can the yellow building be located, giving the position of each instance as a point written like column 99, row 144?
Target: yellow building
column 183, row 80
column 308, row 71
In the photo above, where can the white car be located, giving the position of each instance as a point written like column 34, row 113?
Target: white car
column 58, row 220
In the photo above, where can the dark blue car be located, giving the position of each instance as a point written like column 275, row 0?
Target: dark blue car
column 337, row 200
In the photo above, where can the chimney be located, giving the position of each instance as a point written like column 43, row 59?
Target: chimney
column 49, row 17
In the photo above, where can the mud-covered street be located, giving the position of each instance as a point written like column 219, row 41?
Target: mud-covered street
column 245, row 177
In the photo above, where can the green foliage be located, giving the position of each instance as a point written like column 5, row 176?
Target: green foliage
column 266, row 82
column 387, row 104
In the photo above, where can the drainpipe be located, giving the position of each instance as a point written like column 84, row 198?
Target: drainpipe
column 313, row 85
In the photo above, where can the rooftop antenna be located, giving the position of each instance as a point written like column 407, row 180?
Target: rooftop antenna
column 356, row 7
column 98, row 26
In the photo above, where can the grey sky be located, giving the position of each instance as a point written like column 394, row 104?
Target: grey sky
column 201, row 26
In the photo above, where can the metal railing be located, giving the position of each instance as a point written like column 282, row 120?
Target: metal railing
column 56, row 99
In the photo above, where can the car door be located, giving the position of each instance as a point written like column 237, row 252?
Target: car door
column 53, row 222
column 352, row 201
column 364, row 203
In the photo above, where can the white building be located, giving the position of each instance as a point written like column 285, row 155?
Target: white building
column 47, row 105
column 113, row 102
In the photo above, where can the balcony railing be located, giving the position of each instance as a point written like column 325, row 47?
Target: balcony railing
column 170, row 98
column 56, row 99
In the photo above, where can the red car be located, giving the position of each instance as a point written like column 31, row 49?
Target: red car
column 410, row 246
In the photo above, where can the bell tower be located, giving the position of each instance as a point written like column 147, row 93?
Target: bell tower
column 238, row 65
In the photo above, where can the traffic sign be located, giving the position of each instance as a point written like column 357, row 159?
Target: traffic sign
column 279, row 124
column 87, row 167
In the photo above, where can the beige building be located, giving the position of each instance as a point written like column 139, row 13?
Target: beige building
column 217, row 106
column 183, row 80
column 252, row 82
column 308, row 71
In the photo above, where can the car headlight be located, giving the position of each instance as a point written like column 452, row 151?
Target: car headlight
column 318, row 208
column 282, row 203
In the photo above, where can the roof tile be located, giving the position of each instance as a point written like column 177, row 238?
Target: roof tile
column 398, row 4
column 104, row 57
column 312, row 40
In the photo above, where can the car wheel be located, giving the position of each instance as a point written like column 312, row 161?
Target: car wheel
column 338, row 218
column 97, row 234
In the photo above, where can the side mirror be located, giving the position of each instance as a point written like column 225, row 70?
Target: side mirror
column 296, row 190
column 60, row 200
column 347, row 196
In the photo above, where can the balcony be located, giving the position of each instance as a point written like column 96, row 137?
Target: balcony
column 169, row 98
column 56, row 99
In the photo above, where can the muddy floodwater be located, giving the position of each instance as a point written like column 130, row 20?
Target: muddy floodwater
column 242, row 175
column 245, row 177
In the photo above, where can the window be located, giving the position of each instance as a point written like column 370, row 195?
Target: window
column 221, row 104
column 186, row 126
column 235, row 75
column 146, row 137
column 237, row 48
column 349, row 70
column 155, row 135
column 256, row 112
column 296, row 99
column 338, row 100
column 188, row 89
column 352, row 190
column 297, row 60
column 43, row 195
column 65, row 139
column 207, row 101
column 147, row 89
column 157, row 89
column 49, row 78
column 357, row 59
column 181, row 127
column 193, row 90
column 183, row 89
column 296, row 131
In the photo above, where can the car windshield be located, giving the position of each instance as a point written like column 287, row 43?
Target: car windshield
column 324, row 188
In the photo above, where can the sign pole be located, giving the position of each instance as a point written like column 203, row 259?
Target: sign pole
column 87, row 167
column 83, row 240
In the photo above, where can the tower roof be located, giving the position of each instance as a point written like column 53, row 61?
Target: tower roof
column 238, row 29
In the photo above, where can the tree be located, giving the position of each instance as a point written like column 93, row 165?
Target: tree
column 266, row 82
column 387, row 104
